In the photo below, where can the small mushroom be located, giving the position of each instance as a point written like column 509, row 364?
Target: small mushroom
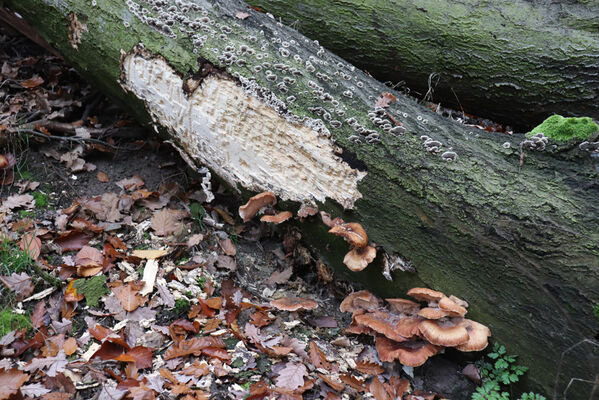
column 425, row 294
column 255, row 204
column 433, row 313
column 358, row 302
column 403, row 306
column 358, row 258
column 478, row 336
column 307, row 210
column 293, row 304
column 383, row 323
column 451, row 307
column 7, row 162
column 277, row 218
column 412, row 354
column 352, row 232
column 444, row 333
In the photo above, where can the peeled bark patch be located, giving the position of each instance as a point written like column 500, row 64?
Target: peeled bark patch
column 216, row 126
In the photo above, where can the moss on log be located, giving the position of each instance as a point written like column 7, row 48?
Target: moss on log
column 267, row 109
column 515, row 61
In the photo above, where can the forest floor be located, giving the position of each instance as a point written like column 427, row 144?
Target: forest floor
column 164, row 294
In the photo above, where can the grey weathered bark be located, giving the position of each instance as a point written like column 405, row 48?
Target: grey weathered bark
column 282, row 114
column 515, row 61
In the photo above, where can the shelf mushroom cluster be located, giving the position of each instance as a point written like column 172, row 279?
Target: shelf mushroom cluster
column 410, row 333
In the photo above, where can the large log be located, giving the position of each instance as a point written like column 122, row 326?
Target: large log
column 267, row 109
column 515, row 61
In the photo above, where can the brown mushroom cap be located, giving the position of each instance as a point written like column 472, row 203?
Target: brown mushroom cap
column 443, row 333
column 358, row 258
column 351, row 232
column 451, row 307
column 403, row 306
column 277, row 218
column 293, row 304
column 459, row 301
column 359, row 302
column 383, row 323
column 478, row 336
column 3, row 161
column 254, row 204
column 425, row 294
column 412, row 354
column 433, row 313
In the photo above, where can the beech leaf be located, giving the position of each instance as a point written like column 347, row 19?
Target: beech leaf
column 128, row 295
column 192, row 346
column 166, row 222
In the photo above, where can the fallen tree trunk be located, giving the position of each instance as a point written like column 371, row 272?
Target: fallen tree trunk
column 514, row 61
column 267, row 109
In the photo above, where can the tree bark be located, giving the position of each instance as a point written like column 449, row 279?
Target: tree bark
column 517, row 62
column 267, row 109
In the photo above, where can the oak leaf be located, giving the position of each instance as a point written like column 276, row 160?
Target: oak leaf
column 166, row 222
column 18, row 283
column 128, row 295
column 11, row 381
column 291, row 376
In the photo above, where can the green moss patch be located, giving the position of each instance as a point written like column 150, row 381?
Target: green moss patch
column 92, row 288
column 9, row 321
column 563, row 129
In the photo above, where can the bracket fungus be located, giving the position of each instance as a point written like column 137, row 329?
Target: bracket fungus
column 255, row 204
column 277, row 218
column 410, row 334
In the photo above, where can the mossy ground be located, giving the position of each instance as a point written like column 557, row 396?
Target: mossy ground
column 9, row 321
column 563, row 129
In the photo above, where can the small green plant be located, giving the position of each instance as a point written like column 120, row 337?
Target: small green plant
column 201, row 281
column 9, row 321
column 26, row 214
column 41, row 199
column 596, row 311
column 497, row 374
column 198, row 212
column 182, row 306
column 13, row 259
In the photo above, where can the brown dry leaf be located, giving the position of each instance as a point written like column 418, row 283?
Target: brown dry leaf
column 280, row 276
column 211, row 325
column 379, row 390
column 70, row 346
column 38, row 317
column 335, row 384
column 167, row 222
column 135, row 182
column 228, row 247
column 384, row 100
column 142, row 356
column 260, row 319
column 353, row 382
column 32, row 82
column 31, row 244
column 241, row 15
column 214, row 302
column 16, row 201
column 102, row 177
column 19, row 283
column 291, row 376
column 149, row 254
column 228, row 218
column 317, row 357
column 128, row 295
column 89, row 257
column 194, row 240
column 197, row 369
column 72, row 240
column 366, row 367
column 193, row 346
column 11, row 381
